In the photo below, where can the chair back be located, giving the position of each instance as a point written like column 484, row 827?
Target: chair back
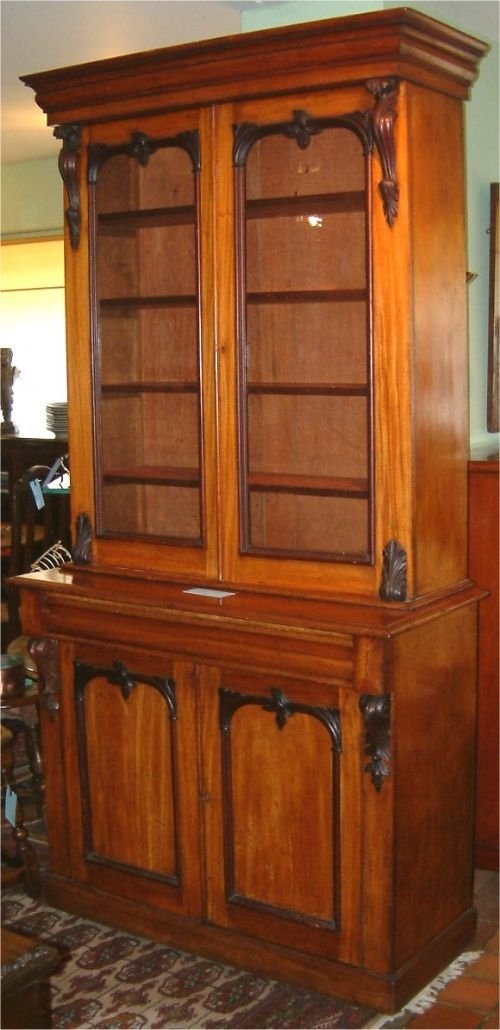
column 33, row 531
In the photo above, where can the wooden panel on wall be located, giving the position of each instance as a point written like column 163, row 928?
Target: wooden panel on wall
column 483, row 568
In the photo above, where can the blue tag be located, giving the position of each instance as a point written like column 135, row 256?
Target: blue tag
column 10, row 806
column 36, row 490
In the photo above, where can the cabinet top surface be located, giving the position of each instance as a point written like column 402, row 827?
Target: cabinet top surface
column 398, row 41
column 88, row 588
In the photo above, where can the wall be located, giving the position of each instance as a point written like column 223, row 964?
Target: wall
column 32, row 198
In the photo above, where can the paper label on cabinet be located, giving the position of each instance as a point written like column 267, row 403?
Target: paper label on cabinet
column 206, row 592
column 10, row 806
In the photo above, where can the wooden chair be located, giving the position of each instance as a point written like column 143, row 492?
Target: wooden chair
column 32, row 531
column 24, row 864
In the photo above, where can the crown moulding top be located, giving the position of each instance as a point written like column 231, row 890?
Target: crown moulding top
column 398, row 42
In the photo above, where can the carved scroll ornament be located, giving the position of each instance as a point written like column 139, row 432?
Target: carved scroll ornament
column 383, row 118
column 376, row 712
column 68, row 166
column 45, row 654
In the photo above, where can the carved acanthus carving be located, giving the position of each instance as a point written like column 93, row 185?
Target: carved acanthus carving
column 383, row 117
column 393, row 586
column 376, row 712
column 82, row 551
column 68, row 167
column 45, row 654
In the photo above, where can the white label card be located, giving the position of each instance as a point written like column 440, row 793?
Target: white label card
column 10, row 806
column 205, row 592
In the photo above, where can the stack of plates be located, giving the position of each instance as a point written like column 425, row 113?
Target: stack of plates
column 57, row 418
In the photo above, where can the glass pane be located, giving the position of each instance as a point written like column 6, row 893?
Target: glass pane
column 305, row 348
column 147, row 346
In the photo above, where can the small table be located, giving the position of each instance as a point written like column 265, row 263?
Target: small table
column 26, row 967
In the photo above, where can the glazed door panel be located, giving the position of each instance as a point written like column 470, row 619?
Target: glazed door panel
column 302, row 180
column 150, row 341
column 136, row 816
column 276, row 844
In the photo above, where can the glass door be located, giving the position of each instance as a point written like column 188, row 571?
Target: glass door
column 304, row 340
column 144, row 208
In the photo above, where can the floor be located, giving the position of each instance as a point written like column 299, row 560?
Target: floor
column 472, row 1000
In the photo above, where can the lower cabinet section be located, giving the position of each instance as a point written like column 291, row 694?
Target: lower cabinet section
column 313, row 828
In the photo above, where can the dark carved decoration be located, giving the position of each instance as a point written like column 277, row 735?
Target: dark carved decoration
column 119, row 676
column 376, row 712
column 45, row 654
column 68, row 167
column 300, row 128
column 82, row 551
column 383, row 117
column 142, row 147
column 393, row 586
column 230, row 701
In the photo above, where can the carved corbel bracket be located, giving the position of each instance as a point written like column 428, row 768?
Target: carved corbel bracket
column 45, row 654
column 82, row 551
column 376, row 712
column 383, row 117
column 68, row 166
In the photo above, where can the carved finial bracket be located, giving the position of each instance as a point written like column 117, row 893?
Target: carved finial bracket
column 68, row 166
column 376, row 712
column 395, row 562
column 383, row 117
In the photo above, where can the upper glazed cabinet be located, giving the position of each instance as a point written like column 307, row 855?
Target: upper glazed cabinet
column 266, row 307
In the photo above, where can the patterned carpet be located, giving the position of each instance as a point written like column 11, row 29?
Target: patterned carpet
column 111, row 979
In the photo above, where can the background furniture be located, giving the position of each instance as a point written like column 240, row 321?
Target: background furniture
column 483, row 567
column 22, row 863
column 30, row 531
column 269, row 393
column 26, row 966
column 21, row 452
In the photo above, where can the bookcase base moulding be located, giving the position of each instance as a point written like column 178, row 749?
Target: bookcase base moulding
column 267, row 397
column 284, row 785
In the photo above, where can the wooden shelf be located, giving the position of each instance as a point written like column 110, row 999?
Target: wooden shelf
column 117, row 223
column 331, row 486
column 310, row 389
column 306, row 296
column 308, row 205
column 133, row 389
column 153, row 475
column 112, row 304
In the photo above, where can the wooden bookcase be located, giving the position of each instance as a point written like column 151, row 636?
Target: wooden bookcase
column 259, row 672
